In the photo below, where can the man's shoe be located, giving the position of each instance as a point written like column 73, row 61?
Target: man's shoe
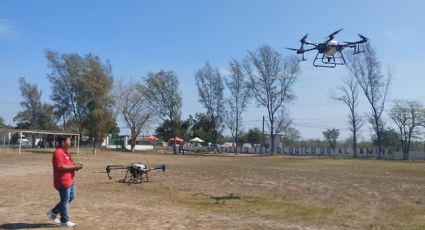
column 53, row 217
column 68, row 224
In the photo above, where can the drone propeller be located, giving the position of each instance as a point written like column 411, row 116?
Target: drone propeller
column 291, row 49
column 331, row 36
column 301, row 49
column 303, row 38
column 364, row 39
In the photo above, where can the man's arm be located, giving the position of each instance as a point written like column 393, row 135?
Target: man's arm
column 76, row 166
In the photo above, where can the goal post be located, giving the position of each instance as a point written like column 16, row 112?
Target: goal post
column 22, row 140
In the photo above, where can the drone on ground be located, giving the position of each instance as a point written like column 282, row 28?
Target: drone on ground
column 329, row 53
column 135, row 172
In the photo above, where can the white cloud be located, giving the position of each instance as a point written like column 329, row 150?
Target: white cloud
column 8, row 29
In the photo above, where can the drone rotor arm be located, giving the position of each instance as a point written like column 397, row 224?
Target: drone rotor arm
column 109, row 168
column 310, row 49
column 161, row 167
column 310, row 43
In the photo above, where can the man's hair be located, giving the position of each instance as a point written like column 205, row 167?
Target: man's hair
column 61, row 139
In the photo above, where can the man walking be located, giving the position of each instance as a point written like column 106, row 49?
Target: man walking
column 64, row 181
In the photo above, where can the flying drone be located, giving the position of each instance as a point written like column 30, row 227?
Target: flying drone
column 329, row 53
column 135, row 172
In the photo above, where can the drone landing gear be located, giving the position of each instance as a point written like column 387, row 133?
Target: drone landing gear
column 301, row 57
column 328, row 62
column 133, row 176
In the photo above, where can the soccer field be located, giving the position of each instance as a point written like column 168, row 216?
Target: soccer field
column 222, row 191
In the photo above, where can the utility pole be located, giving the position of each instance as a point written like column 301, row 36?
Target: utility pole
column 262, row 138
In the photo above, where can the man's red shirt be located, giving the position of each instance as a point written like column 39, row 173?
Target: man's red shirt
column 62, row 178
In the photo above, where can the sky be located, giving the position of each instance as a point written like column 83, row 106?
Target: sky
column 139, row 36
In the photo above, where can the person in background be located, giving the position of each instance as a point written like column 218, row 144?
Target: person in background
column 64, row 181
column 181, row 147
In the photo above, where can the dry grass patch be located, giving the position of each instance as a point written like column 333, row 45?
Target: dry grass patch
column 222, row 192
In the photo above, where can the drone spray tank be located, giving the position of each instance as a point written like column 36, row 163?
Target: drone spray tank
column 332, row 48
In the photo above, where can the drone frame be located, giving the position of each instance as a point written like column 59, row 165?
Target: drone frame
column 132, row 175
column 323, row 60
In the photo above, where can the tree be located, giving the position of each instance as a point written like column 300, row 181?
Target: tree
column 81, row 90
column 31, row 103
column 210, row 90
column 254, row 136
column 331, row 135
column 242, row 138
column 162, row 92
column 182, row 129
column 367, row 71
column 291, row 136
column 132, row 105
column 66, row 85
column 283, row 121
column 390, row 138
column 97, row 99
column 271, row 78
column 349, row 94
column 45, row 117
column 238, row 99
column 36, row 115
column 283, row 126
column 203, row 127
column 408, row 116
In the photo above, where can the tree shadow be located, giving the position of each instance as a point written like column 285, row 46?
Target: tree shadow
column 27, row 225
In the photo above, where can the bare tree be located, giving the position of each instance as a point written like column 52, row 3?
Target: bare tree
column 283, row 121
column 349, row 95
column 408, row 115
column 283, row 126
column 210, row 89
column 133, row 107
column 237, row 100
column 367, row 70
column 291, row 136
column 162, row 92
column 271, row 78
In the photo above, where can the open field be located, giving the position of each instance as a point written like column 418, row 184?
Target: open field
column 273, row 192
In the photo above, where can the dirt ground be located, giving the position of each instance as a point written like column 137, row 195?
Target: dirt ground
column 213, row 191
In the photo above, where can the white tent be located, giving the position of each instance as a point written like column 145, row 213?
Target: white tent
column 197, row 139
